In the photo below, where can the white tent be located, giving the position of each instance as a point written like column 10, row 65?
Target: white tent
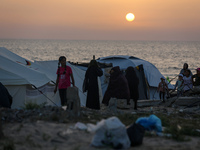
column 152, row 74
column 78, row 74
column 20, row 75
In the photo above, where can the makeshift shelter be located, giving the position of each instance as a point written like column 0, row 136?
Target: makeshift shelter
column 20, row 76
column 149, row 75
column 24, row 80
column 78, row 74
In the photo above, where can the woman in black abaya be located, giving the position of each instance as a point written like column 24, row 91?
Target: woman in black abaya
column 91, row 75
column 133, row 83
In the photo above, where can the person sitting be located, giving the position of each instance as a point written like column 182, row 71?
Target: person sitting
column 188, row 83
column 5, row 97
column 196, row 81
column 185, row 67
column 133, row 83
column 117, row 87
column 179, row 85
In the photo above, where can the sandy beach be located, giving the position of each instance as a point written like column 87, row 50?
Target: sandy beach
column 34, row 130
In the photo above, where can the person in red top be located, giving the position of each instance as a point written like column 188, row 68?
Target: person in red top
column 64, row 73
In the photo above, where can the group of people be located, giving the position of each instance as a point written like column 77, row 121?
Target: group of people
column 120, row 86
column 186, row 84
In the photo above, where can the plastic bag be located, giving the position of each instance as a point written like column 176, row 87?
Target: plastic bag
column 111, row 132
column 150, row 123
column 136, row 134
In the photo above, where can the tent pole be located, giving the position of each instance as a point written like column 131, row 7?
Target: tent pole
column 147, row 86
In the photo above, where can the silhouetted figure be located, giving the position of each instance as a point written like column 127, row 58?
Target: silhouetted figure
column 196, row 81
column 91, row 75
column 117, row 87
column 133, row 83
column 162, row 87
column 185, row 67
column 5, row 97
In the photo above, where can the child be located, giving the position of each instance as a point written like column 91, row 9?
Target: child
column 179, row 85
column 188, row 82
column 64, row 73
column 162, row 86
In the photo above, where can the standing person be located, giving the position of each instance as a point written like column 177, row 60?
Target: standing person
column 133, row 83
column 196, row 81
column 64, row 73
column 188, row 82
column 5, row 97
column 91, row 75
column 185, row 67
column 179, row 85
column 117, row 87
column 162, row 87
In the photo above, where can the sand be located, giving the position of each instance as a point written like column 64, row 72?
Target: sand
column 40, row 134
column 52, row 136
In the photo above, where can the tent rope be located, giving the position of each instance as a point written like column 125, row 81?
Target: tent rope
column 43, row 94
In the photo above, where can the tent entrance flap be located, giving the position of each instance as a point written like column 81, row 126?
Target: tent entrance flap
column 142, row 87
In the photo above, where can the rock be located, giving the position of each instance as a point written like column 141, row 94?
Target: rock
column 73, row 101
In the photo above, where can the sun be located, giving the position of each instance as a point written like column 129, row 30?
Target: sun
column 130, row 17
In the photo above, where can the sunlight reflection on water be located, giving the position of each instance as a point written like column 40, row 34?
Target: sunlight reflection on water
column 168, row 57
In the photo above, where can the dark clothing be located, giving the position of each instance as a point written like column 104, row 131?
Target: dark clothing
column 197, row 80
column 133, row 83
column 63, row 96
column 93, row 90
column 162, row 96
column 183, row 72
column 117, row 87
column 5, row 97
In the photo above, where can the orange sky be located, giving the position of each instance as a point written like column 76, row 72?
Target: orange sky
column 100, row 19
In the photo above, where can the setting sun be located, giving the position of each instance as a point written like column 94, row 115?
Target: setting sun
column 130, row 17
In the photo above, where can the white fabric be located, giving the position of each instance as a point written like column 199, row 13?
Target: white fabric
column 77, row 73
column 187, row 83
column 18, row 92
column 17, row 73
column 13, row 67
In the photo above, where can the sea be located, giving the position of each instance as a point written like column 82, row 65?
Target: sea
column 167, row 56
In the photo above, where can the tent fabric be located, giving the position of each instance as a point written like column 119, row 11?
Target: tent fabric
column 150, row 77
column 18, row 92
column 17, row 73
column 44, row 94
column 152, row 74
column 79, row 75
column 14, row 71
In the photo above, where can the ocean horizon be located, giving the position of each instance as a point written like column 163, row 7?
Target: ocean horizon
column 167, row 56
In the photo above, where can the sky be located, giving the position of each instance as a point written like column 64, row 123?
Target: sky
column 160, row 20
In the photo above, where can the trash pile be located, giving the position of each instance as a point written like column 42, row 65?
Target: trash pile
column 113, row 133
